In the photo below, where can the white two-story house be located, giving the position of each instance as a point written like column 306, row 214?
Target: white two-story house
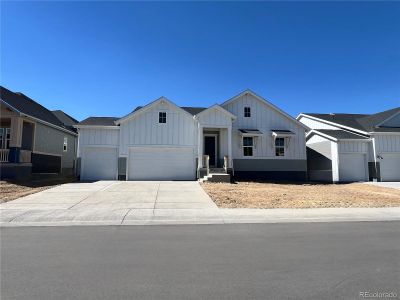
column 245, row 136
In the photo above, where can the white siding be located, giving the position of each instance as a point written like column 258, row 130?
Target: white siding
column 313, row 124
column 387, row 143
column 214, row 117
column 264, row 118
column 97, row 137
column 144, row 129
column 352, row 146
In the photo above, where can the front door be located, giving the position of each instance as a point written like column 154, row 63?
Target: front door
column 210, row 149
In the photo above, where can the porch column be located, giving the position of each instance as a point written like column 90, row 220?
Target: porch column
column 200, row 146
column 16, row 132
column 230, row 146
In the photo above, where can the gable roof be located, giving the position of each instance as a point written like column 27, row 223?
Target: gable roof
column 361, row 122
column 24, row 105
column 141, row 109
column 217, row 107
column 261, row 99
column 99, row 121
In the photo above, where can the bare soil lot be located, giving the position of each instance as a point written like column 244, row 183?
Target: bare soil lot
column 282, row 195
column 11, row 190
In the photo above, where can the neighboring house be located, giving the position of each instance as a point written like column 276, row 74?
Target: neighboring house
column 353, row 147
column 33, row 139
column 246, row 136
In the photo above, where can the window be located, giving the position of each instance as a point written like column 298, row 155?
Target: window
column 65, row 146
column 247, row 146
column 5, row 138
column 162, row 117
column 280, row 147
column 247, row 113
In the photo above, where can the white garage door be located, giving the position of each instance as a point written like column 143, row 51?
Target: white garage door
column 161, row 164
column 390, row 167
column 352, row 167
column 99, row 164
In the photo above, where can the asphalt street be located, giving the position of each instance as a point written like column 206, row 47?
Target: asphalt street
column 241, row 261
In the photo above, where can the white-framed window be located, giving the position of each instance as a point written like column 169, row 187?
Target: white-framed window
column 162, row 117
column 248, row 144
column 65, row 145
column 247, row 112
column 280, row 146
column 5, row 136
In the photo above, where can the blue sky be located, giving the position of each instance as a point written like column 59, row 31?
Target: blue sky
column 104, row 59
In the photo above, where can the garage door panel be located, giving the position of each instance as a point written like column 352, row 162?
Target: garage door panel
column 161, row 164
column 390, row 167
column 352, row 167
column 99, row 164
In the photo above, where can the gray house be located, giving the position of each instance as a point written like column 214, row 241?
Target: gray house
column 34, row 140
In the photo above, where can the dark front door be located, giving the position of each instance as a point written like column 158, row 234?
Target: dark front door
column 209, row 149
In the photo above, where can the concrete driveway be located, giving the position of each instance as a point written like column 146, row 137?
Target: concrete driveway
column 109, row 201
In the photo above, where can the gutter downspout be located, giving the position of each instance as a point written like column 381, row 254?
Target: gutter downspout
column 375, row 163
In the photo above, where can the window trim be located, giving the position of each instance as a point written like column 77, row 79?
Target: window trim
column 162, row 118
column 65, row 144
column 276, row 147
column 251, row 147
column 247, row 114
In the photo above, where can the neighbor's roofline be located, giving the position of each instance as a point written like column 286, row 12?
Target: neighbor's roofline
column 331, row 123
column 37, row 119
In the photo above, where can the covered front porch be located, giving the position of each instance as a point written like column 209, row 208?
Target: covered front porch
column 16, row 145
column 215, row 151
column 215, row 144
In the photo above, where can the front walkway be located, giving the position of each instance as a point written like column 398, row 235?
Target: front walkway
column 150, row 203
column 393, row 185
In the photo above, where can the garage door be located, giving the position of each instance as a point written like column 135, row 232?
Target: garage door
column 161, row 164
column 352, row 167
column 390, row 167
column 99, row 164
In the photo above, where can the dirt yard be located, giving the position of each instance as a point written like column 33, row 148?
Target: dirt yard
column 10, row 190
column 272, row 195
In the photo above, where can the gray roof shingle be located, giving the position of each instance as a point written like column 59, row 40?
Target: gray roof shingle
column 363, row 122
column 28, row 106
column 99, row 121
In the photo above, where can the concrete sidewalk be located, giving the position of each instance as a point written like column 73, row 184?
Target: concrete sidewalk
column 192, row 216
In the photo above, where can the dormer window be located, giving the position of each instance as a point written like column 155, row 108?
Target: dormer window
column 162, row 117
column 247, row 113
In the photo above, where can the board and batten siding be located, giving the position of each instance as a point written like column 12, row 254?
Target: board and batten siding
column 353, row 147
column 385, row 143
column 97, row 137
column 214, row 117
column 313, row 124
column 265, row 119
column 145, row 130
